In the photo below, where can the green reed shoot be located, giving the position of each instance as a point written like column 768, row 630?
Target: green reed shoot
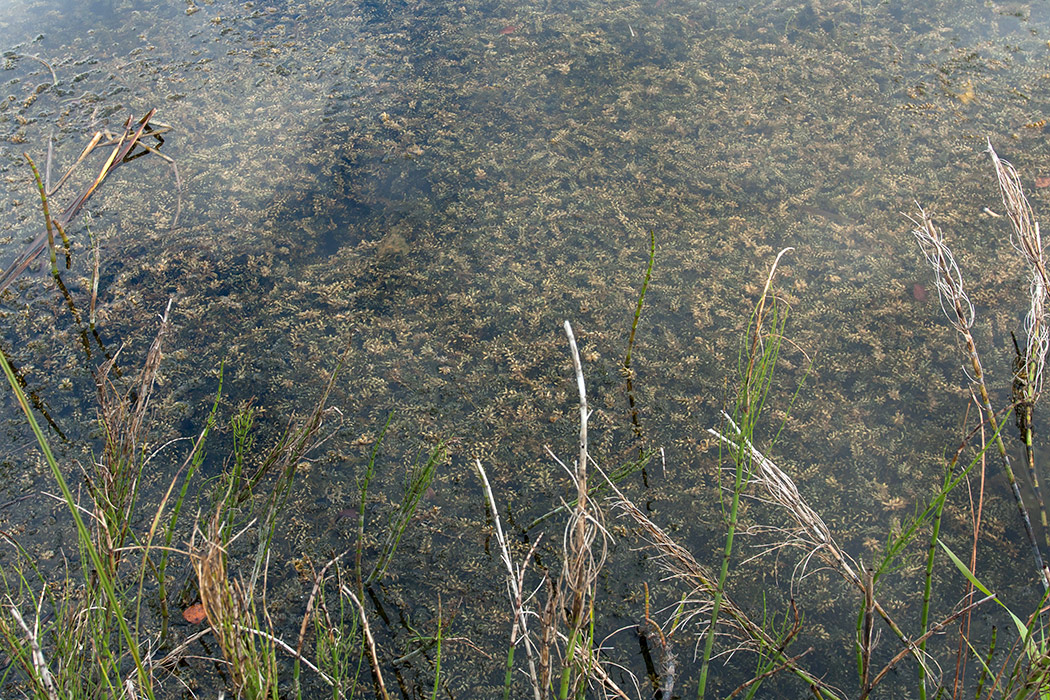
column 285, row 458
column 985, row 663
column 419, row 479
column 47, row 216
column 628, row 372
column 757, row 360
column 782, row 632
column 194, row 461
column 362, row 488
column 924, row 618
column 339, row 644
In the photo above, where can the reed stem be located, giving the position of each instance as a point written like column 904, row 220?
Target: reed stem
column 757, row 361
column 628, row 372
column 924, row 620
column 47, row 215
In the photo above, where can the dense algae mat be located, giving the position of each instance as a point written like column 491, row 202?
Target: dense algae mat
column 441, row 185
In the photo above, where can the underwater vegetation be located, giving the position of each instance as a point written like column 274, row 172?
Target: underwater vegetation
column 105, row 622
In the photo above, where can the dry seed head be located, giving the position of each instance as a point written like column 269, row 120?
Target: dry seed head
column 956, row 306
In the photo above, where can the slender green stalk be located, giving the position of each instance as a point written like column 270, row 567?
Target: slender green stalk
column 985, row 666
column 337, row 635
column 65, row 246
column 738, row 487
column 47, row 215
column 195, row 459
column 566, row 671
column 865, row 623
column 419, row 480
column 508, row 677
column 641, row 299
column 362, row 487
column 286, row 456
column 928, row 587
column 628, row 372
column 757, row 360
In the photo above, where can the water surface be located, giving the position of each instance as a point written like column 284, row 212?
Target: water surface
column 440, row 185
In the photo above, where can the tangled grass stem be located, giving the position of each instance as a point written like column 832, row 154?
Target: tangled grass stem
column 960, row 313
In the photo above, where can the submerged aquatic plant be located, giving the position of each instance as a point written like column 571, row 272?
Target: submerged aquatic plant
column 559, row 635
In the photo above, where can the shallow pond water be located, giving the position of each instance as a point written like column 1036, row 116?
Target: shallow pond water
column 439, row 185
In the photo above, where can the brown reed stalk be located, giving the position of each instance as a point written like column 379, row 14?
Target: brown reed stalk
column 373, row 658
column 231, row 614
column 960, row 313
column 122, row 147
column 571, row 598
column 865, row 639
column 934, row 629
column 117, row 471
column 549, row 618
column 580, row 563
column 679, row 564
column 578, row 568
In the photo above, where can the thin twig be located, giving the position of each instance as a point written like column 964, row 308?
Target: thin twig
column 54, row 78
column 372, row 656
column 932, row 631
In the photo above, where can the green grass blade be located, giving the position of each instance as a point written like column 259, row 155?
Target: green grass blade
column 1022, row 629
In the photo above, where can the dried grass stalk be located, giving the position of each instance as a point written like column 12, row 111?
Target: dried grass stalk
column 810, row 533
column 1028, row 379
column 118, row 470
column 231, row 614
column 960, row 313
column 373, row 657
column 41, row 672
column 515, row 584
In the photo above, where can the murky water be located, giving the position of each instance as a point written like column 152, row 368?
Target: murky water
column 441, row 184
